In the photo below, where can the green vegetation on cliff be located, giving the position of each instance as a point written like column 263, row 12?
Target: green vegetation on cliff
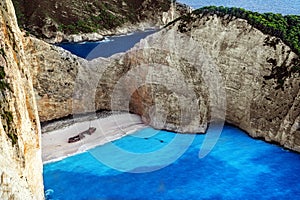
column 43, row 17
column 3, row 83
column 287, row 28
column 5, row 113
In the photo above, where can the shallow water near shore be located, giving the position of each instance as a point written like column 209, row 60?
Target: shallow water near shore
column 238, row 167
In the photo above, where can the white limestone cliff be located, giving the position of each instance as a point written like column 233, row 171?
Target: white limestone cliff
column 20, row 144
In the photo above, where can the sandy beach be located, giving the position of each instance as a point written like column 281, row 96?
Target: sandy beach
column 55, row 144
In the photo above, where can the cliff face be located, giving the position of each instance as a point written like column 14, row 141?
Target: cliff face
column 20, row 147
column 258, row 99
column 54, row 72
column 185, row 76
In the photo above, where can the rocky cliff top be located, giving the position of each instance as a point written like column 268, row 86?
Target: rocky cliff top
column 286, row 28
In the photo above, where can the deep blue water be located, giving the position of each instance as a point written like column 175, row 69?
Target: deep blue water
column 107, row 47
column 284, row 7
column 238, row 167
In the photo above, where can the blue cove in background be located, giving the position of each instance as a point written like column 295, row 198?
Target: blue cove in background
column 117, row 44
column 107, row 47
column 239, row 167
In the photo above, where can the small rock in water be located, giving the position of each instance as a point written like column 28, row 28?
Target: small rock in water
column 48, row 194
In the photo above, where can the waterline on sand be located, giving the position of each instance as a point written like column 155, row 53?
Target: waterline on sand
column 55, row 144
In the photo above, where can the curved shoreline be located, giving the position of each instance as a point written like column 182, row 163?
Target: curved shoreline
column 102, row 34
column 55, row 144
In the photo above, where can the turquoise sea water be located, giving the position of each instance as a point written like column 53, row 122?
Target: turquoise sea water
column 284, row 7
column 239, row 167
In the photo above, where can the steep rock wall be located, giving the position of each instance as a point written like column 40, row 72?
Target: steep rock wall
column 54, row 71
column 247, row 60
column 184, row 77
column 20, row 147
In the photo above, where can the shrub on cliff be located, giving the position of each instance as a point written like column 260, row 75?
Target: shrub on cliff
column 287, row 28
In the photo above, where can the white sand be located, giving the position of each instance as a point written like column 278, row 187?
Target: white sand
column 55, row 144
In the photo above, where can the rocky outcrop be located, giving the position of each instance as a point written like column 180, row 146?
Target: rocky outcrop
column 184, row 77
column 54, row 71
column 20, row 146
column 247, row 62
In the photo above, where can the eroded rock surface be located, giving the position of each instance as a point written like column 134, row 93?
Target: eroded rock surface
column 20, row 144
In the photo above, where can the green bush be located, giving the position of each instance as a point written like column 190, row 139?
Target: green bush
column 6, row 116
column 287, row 28
column 3, row 84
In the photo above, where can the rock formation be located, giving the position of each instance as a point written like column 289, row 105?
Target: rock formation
column 20, row 147
column 182, row 78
